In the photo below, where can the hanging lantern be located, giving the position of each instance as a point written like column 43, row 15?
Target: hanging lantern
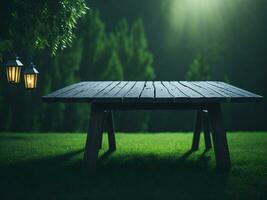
column 30, row 77
column 13, row 69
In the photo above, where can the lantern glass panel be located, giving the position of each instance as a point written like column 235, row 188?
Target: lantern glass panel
column 30, row 81
column 13, row 74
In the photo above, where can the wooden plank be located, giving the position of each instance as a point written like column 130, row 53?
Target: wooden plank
column 91, row 91
column 219, row 138
column 174, row 91
column 180, row 92
column 65, row 89
column 106, row 90
column 233, row 89
column 186, row 90
column 148, row 93
column 79, row 89
column 136, row 105
column 226, row 93
column 111, row 95
column 240, row 94
column 239, row 89
column 118, row 92
column 115, row 90
column 129, row 85
column 115, row 95
column 161, row 93
column 135, row 92
column 203, row 86
column 204, row 92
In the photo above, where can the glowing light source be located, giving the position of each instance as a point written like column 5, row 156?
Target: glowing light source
column 31, row 77
column 197, row 23
column 13, row 69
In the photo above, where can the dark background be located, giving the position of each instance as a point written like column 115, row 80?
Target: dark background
column 239, row 50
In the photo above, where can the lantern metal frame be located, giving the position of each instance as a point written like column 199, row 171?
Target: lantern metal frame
column 30, row 77
column 13, row 71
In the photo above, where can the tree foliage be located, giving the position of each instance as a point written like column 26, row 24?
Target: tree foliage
column 95, row 54
column 132, row 48
column 39, row 23
column 199, row 70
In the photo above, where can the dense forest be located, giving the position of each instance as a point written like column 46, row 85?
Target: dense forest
column 138, row 40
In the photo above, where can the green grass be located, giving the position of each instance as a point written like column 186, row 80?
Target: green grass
column 145, row 166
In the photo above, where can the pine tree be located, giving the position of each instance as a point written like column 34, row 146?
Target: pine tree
column 137, row 63
column 93, row 34
column 95, row 55
column 199, row 70
column 142, row 59
column 132, row 48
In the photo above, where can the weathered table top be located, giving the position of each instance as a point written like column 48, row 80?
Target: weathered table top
column 151, row 92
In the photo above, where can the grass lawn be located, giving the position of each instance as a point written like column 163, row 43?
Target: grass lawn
column 145, row 166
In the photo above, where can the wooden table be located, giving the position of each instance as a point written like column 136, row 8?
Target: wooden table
column 203, row 96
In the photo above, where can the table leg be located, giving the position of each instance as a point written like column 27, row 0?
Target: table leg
column 103, row 129
column 108, row 125
column 197, row 131
column 93, row 135
column 100, row 140
column 219, row 137
column 206, row 130
column 111, row 131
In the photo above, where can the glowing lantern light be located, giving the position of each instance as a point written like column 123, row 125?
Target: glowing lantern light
column 13, row 69
column 31, row 77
